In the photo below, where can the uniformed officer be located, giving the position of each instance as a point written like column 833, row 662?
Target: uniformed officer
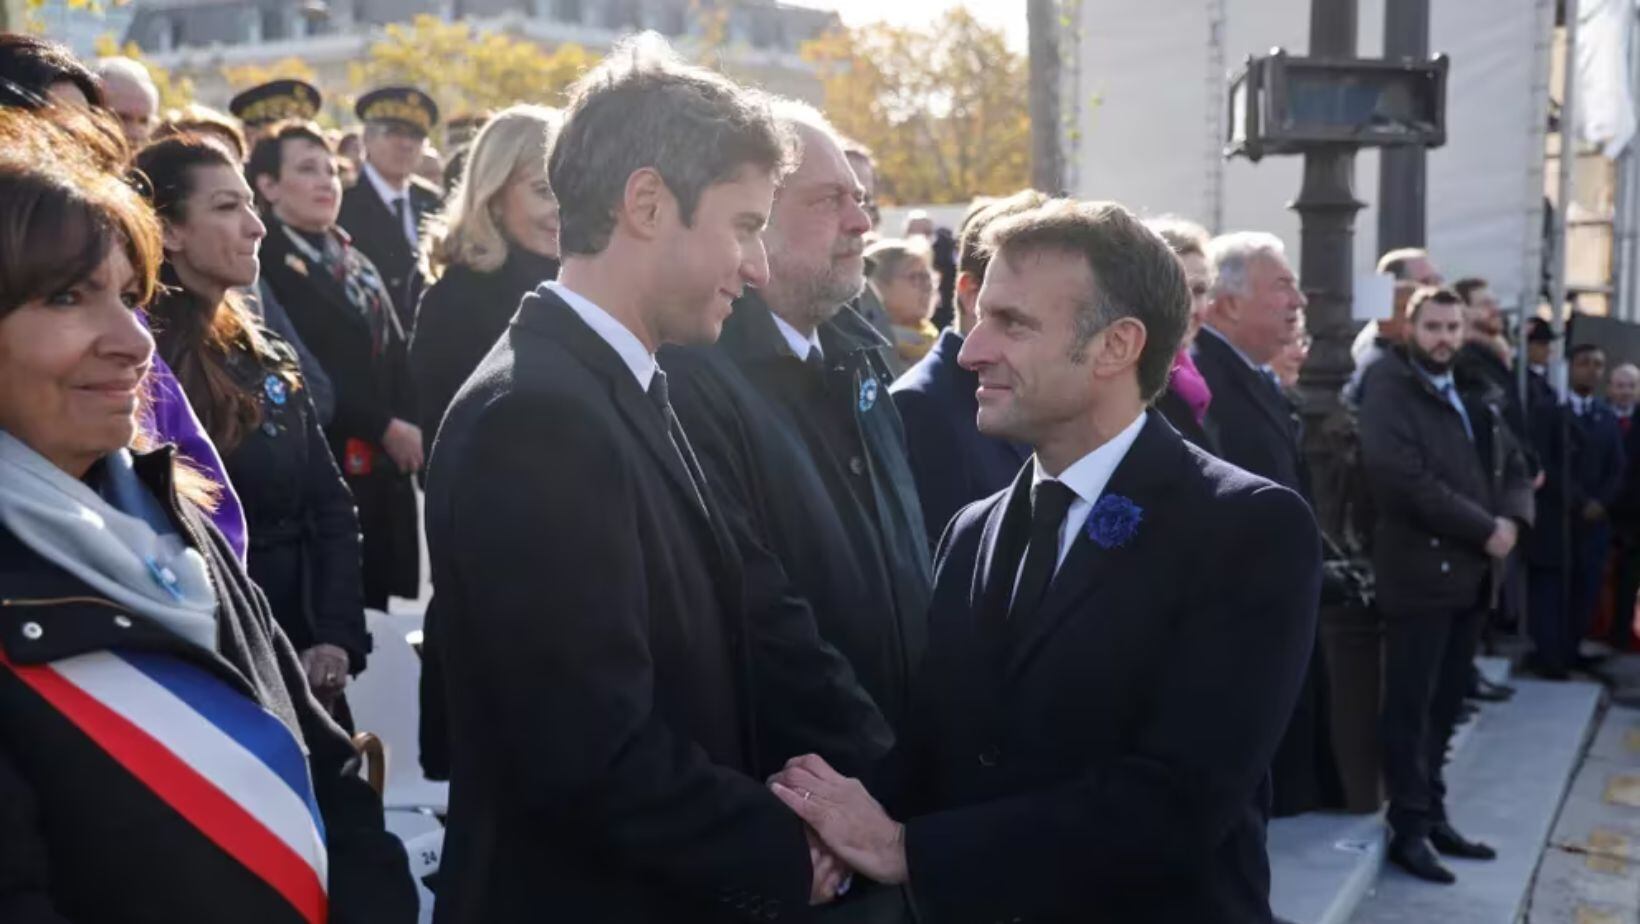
column 274, row 101
column 385, row 209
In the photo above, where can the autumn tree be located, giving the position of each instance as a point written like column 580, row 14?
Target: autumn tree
column 468, row 70
column 245, row 76
column 942, row 107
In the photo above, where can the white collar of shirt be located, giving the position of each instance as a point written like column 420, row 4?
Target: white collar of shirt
column 1236, row 350
column 623, row 341
column 1087, row 478
column 1581, row 403
column 1540, row 370
column 390, row 195
column 800, row 345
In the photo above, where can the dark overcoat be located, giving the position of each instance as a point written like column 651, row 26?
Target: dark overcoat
column 85, row 840
column 604, row 657
column 1108, row 760
column 371, row 389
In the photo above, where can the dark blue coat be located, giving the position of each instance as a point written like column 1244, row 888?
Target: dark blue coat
column 1257, row 427
column 954, row 463
column 1108, row 760
column 1590, row 467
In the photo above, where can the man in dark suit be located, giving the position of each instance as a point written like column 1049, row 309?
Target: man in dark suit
column 1093, row 734
column 602, row 634
column 384, row 211
column 1254, row 313
column 1599, row 467
column 1623, row 394
column 955, row 464
column 790, row 416
column 1452, row 493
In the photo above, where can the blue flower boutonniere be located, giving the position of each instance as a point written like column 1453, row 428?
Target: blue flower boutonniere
column 1114, row 521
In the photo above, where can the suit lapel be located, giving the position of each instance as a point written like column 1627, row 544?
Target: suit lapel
column 1144, row 477
column 546, row 312
column 1249, row 380
column 1002, row 544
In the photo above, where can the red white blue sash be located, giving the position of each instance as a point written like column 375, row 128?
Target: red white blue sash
column 216, row 757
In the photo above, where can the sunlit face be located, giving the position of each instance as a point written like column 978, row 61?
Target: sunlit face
column 1267, row 316
column 133, row 106
column 816, row 235
column 308, row 194
column 1437, row 335
column 215, row 239
column 1588, row 370
column 908, row 294
column 1030, row 381
column 1482, row 312
column 527, row 212
column 394, row 149
column 71, row 366
column 714, row 257
column 1624, row 389
column 1199, row 277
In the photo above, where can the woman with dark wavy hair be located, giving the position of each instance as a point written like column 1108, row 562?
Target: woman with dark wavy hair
column 161, row 758
column 246, row 385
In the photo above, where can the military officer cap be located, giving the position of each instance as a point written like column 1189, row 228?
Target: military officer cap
column 406, row 106
column 276, row 100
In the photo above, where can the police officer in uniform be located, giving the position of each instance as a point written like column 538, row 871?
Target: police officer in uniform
column 385, row 209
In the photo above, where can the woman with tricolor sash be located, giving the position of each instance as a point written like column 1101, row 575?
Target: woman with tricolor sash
column 161, row 756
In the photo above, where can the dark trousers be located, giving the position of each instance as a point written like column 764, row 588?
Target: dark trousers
column 1626, row 541
column 1427, row 660
column 1549, row 616
column 1594, row 542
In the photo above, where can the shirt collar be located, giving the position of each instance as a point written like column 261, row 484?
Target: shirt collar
column 623, row 341
column 799, row 344
column 1234, row 349
column 1088, row 476
column 382, row 187
column 1444, row 380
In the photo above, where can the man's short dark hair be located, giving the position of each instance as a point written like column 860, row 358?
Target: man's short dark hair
column 972, row 256
column 1468, row 286
column 1440, row 295
column 267, row 157
column 644, row 107
column 1583, row 349
column 1135, row 274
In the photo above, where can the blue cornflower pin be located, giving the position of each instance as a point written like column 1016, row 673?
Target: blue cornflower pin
column 868, row 394
column 1114, row 521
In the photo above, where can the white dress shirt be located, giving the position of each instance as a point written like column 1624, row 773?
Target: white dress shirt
column 1087, row 478
column 390, row 195
column 800, row 345
column 622, row 340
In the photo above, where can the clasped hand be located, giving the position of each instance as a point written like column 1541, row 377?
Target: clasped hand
column 849, row 829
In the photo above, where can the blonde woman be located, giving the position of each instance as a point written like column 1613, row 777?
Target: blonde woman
column 901, row 273
column 496, row 241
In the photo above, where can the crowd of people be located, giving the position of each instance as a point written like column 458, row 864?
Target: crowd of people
column 781, row 568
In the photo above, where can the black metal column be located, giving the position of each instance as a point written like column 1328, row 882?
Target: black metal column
column 1402, row 187
column 1326, row 206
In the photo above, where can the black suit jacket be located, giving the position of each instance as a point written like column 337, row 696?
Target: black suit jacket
column 953, row 462
column 380, row 235
column 1257, row 428
column 595, row 627
column 1108, row 760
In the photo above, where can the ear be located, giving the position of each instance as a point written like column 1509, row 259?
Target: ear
column 644, row 203
column 264, row 185
column 170, row 239
column 968, row 285
column 1124, row 343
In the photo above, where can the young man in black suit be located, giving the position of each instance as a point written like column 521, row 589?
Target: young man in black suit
column 1116, row 641
column 602, row 636
column 955, row 464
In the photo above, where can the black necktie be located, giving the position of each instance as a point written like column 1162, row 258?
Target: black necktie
column 398, row 212
column 1049, row 502
column 815, row 361
column 660, row 396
